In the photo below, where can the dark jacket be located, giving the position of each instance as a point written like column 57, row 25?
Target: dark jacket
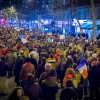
column 17, row 70
column 12, row 97
column 42, row 77
column 68, row 94
column 40, row 70
column 94, row 76
column 59, row 70
column 65, row 67
column 33, row 91
column 10, row 58
column 3, row 68
column 34, row 62
column 49, row 89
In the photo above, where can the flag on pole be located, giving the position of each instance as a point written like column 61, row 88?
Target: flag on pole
column 82, row 67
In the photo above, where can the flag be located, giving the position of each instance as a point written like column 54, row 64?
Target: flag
column 82, row 67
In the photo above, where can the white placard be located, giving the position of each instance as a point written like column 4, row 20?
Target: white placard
column 62, row 36
column 24, row 40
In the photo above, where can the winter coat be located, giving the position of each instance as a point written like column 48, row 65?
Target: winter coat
column 74, row 80
column 1, row 52
column 3, row 68
column 59, row 70
column 68, row 93
column 52, row 61
column 36, row 55
column 65, row 67
column 49, row 89
column 33, row 91
column 42, row 77
column 10, row 58
column 27, row 68
column 17, row 69
column 94, row 76
column 34, row 62
column 40, row 70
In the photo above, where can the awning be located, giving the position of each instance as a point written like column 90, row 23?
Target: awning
column 89, row 27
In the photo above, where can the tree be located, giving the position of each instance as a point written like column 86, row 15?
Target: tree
column 10, row 12
column 76, row 15
column 94, row 20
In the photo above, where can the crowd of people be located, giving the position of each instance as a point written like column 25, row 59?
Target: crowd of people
column 40, row 64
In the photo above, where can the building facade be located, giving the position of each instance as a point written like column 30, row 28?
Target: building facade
column 69, row 13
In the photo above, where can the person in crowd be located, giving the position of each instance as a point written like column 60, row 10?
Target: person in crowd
column 43, row 53
column 16, row 94
column 69, row 64
column 48, row 67
column 27, row 68
column 24, row 98
column 58, row 53
column 25, row 50
column 10, row 58
column 82, row 84
column 52, row 61
column 32, row 90
column 94, row 80
column 74, row 49
column 69, row 93
column 80, row 57
column 33, row 61
column 70, row 74
column 74, row 56
column 3, row 71
column 17, row 69
column 49, row 86
column 21, row 56
column 1, row 51
column 41, row 67
column 61, row 61
column 35, row 53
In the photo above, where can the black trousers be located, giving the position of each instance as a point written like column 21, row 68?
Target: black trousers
column 9, row 72
column 94, row 90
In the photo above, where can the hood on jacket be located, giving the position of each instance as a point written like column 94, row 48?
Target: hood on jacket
column 50, row 81
column 28, row 64
column 69, row 76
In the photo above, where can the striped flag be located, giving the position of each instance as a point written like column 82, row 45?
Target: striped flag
column 82, row 67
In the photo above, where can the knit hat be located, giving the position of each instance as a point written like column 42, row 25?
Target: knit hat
column 48, row 66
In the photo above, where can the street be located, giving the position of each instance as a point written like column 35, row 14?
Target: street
column 10, row 85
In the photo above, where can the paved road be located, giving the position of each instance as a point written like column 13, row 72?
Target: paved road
column 10, row 85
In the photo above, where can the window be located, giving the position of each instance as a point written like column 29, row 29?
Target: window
column 68, row 15
column 63, row 15
column 79, row 14
column 84, row 14
column 98, row 13
column 64, row 2
column 73, row 16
